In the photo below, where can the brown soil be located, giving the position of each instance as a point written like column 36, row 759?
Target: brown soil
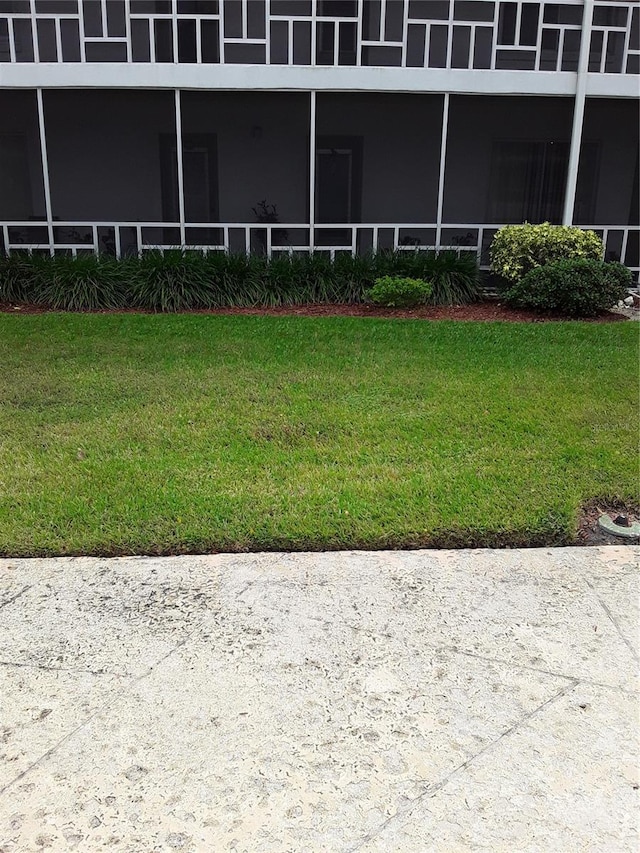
column 589, row 533
column 489, row 310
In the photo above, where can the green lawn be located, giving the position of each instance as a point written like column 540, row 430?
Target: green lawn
column 151, row 434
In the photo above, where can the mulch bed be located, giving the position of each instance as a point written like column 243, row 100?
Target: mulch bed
column 489, row 310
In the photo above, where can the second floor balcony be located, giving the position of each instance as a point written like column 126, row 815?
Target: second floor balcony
column 444, row 35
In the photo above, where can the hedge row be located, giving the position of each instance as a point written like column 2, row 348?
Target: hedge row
column 543, row 267
column 180, row 281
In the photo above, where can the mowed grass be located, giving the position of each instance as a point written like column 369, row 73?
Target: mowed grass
column 190, row 433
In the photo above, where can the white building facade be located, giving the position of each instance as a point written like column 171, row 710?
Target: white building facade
column 315, row 125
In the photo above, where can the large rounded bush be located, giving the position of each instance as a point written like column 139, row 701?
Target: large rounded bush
column 516, row 249
column 576, row 288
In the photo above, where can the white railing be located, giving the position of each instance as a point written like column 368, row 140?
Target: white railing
column 622, row 242
column 483, row 35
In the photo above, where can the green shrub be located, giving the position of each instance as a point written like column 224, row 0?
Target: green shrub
column 516, row 249
column 84, row 283
column 576, row 288
column 395, row 292
column 617, row 272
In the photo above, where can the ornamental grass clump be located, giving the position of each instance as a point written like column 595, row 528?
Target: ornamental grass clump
column 169, row 281
column 17, row 277
column 454, row 277
column 82, row 283
column 516, row 249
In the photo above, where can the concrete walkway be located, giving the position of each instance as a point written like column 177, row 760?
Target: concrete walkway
column 407, row 701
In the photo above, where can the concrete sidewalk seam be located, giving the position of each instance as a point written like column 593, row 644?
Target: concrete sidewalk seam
column 370, row 632
column 515, row 665
column 432, row 790
column 613, row 620
column 16, row 596
column 98, row 711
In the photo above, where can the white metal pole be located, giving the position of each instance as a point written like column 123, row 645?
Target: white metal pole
column 174, row 29
column 178, row 104
column 103, row 16
column 34, row 31
column 45, row 170
column 443, row 159
column 578, row 114
column 312, row 168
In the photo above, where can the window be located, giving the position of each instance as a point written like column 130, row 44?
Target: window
column 338, row 186
column 199, row 177
column 528, row 181
column 338, row 179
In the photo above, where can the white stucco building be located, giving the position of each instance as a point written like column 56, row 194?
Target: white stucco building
column 356, row 124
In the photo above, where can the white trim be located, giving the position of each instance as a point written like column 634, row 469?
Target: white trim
column 123, row 75
column 345, row 78
column 612, row 85
column 349, row 246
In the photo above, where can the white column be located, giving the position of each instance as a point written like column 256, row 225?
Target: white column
column 578, row 114
column 45, row 169
column 178, row 104
column 443, row 159
column 312, row 167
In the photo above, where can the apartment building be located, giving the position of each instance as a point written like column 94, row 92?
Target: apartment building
column 315, row 125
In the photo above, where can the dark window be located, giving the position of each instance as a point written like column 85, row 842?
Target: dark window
column 199, row 177
column 528, row 181
column 198, row 7
column 507, row 23
column 610, row 16
column 338, row 8
column 338, row 186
